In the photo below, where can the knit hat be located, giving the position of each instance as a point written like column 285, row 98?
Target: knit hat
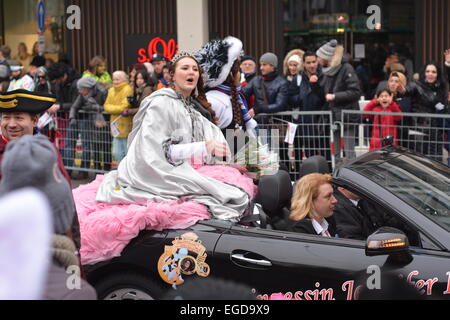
column 295, row 58
column 269, row 58
column 31, row 161
column 86, row 83
column 216, row 59
column 248, row 58
column 327, row 51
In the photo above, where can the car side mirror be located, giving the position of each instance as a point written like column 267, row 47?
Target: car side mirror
column 386, row 241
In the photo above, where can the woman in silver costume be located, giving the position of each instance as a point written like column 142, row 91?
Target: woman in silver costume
column 168, row 136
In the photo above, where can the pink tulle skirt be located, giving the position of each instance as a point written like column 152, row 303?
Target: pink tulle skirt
column 106, row 229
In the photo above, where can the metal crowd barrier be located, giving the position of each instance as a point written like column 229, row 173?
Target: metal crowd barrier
column 87, row 148
column 86, row 145
column 313, row 136
column 427, row 134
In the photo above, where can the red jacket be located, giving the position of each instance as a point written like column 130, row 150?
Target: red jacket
column 388, row 123
column 4, row 142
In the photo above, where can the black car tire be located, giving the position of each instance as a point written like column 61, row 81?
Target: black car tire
column 128, row 286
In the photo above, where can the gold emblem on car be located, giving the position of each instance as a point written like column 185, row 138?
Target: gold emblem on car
column 185, row 257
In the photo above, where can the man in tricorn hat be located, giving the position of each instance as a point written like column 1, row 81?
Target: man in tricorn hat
column 19, row 110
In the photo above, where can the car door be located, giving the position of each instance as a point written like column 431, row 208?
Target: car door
column 298, row 265
column 313, row 267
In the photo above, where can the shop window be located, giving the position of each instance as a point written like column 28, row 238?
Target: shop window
column 20, row 24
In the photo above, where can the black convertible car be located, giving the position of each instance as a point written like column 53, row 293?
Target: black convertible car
column 264, row 256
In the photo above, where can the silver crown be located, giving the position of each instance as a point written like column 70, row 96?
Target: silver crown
column 180, row 55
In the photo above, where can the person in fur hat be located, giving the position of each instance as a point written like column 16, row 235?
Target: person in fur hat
column 340, row 90
column 293, row 64
column 220, row 59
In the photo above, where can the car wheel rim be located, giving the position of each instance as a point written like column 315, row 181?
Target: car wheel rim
column 128, row 294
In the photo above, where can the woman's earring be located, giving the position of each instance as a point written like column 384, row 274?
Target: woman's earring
column 196, row 92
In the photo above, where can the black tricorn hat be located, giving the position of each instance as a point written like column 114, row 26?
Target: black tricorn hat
column 25, row 101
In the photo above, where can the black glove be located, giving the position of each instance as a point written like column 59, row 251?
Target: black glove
column 73, row 122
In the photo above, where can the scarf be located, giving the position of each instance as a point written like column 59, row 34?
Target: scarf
column 163, row 81
column 249, row 76
column 226, row 88
column 197, row 127
column 331, row 71
column 270, row 76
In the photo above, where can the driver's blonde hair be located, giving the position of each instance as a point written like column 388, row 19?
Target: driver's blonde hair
column 306, row 191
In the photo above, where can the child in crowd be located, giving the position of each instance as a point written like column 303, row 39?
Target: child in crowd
column 383, row 125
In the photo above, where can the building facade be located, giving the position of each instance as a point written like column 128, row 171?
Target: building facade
column 129, row 31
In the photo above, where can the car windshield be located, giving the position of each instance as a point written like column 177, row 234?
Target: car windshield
column 420, row 182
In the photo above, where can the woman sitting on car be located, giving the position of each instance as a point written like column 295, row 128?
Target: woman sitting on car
column 168, row 133
column 313, row 204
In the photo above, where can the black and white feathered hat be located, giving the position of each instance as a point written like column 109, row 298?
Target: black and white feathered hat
column 216, row 59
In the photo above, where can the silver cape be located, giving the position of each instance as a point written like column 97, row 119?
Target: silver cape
column 147, row 173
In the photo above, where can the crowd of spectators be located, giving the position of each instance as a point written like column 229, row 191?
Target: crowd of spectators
column 326, row 79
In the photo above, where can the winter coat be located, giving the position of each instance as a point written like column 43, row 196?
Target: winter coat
column 425, row 96
column 250, row 100
column 67, row 92
column 104, row 77
column 139, row 95
column 345, row 86
column 91, row 103
column 388, row 126
column 276, row 92
column 303, row 97
column 142, row 93
column 116, row 103
column 43, row 87
column 25, row 82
